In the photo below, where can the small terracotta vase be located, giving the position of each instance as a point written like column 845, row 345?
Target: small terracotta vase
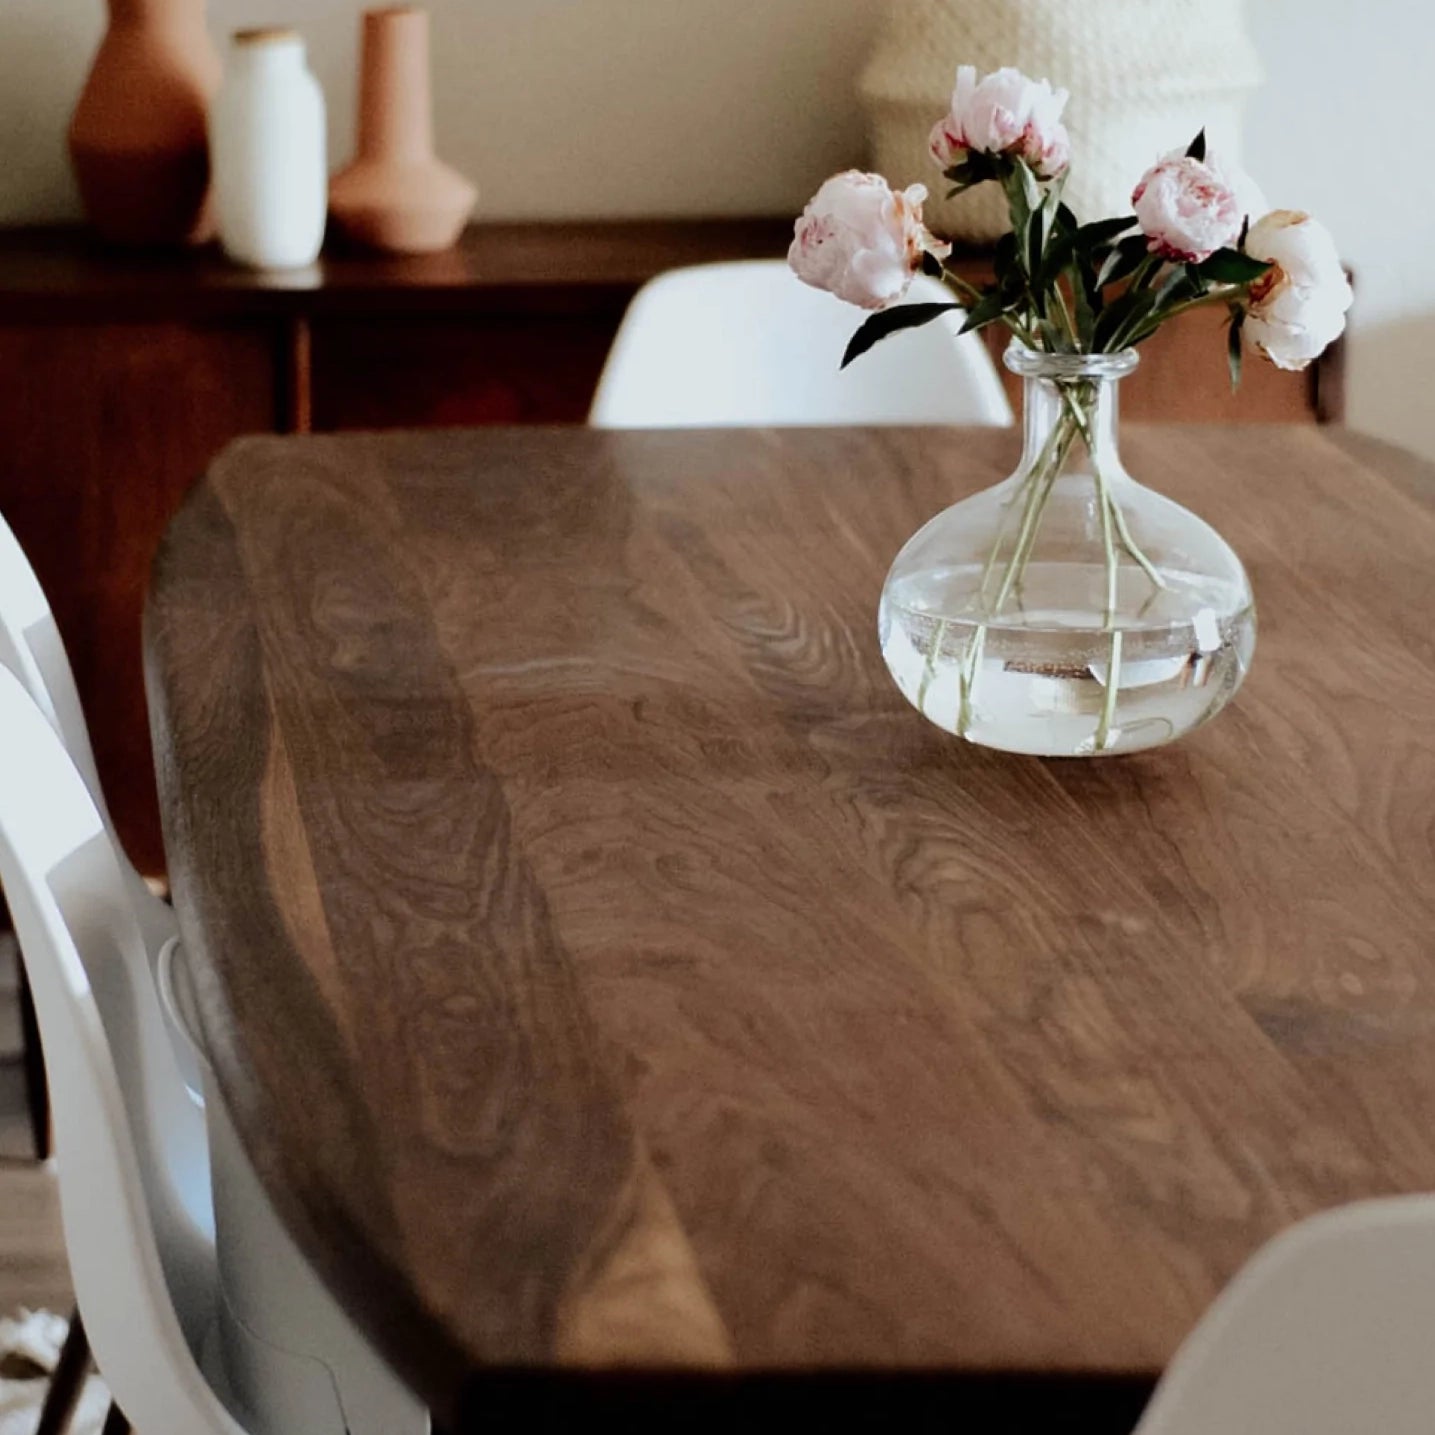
column 397, row 195
column 138, row 139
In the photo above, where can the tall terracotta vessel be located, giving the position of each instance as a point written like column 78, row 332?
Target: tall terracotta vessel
column 397, row 194
column 138, row 138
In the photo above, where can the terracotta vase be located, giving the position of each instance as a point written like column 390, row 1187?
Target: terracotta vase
column 397, row 195
column 138, row 138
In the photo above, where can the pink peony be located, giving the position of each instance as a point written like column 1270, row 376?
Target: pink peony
column 1004, row 113
column 861, row 241
column 1186, row 209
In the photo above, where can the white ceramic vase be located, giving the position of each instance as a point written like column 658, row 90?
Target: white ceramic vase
column 267, row 152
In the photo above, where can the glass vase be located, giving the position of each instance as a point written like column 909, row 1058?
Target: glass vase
column 1068, row 611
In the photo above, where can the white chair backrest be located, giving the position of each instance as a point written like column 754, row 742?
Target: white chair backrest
column 132, row 1159
column 31, row 648
column 1328, row 1330
column 750, row 343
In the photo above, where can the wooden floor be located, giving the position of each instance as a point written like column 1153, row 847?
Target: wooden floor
column 32, row 1252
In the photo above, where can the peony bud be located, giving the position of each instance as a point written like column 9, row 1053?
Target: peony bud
column 862, row 241
column 1004, row 113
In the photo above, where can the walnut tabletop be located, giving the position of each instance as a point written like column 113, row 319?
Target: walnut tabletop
column 623, row 994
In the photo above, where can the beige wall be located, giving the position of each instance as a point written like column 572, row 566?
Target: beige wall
column 1337, row 130
column 614, row 107
column 555, row 107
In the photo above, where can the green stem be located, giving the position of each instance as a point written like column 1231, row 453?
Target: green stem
column 1123, row 532
column 1113, row 670
column 967, row 679
column 1222, row 294
column 1113, row 682
column 971, row 293
column 964, row 290
column 1144, row 272
column 1066, row 318
column 1144, row 328
column 1043, row 480
column 929, row 668
column 1140, row 279
column 1129, row 544
column 989, row 567
column 1112, row 562
column 1032, row 477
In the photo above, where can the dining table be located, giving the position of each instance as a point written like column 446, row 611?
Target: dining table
column 637, row 1012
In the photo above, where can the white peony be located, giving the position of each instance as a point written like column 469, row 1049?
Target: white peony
column 1004, row 113
column 1297, row 307
column 862, row 241
column 1186, row 209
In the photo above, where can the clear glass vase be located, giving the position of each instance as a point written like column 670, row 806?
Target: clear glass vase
column 1068, row 611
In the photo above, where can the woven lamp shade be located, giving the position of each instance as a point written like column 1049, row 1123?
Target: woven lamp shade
column 1144, row 76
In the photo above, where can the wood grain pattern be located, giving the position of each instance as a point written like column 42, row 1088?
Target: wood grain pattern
column 99, row 442
column 134, row 368
column 671, row 996
column 423, row 373
column 33, row 1271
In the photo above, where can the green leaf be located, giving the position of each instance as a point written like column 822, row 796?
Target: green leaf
column 1181, row 283
column 968, row 173
column 989, row 308
column 1197, row 148
column 1018, row 210
column 1035, row 243
column 1230, row 266
column 1004, row 262
column 1053, row 339
column 1087, row 306
column 1233, row 345
column 931, row 264
column 1102, row 231
column 1052, row 204
column 1066, row 217
column 1123, row 315
column 1055, row 258
column 892, row 321
column 976, row 168
column 1245, row 230
column 1125, row 259
column 1030, row 188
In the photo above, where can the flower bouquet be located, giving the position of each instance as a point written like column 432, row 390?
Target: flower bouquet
column 1070, row 610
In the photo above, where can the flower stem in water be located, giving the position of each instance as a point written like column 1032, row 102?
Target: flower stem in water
column 1113, row 686
column 967, row 679
column 1044, row 476
column 929, row 668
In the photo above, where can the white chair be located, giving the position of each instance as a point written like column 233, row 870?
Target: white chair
column 1329, row 1329
column 749, row 343
column 133, row 1159
column 32, row 649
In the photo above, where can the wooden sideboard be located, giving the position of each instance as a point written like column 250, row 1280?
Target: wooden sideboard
column 121, row 376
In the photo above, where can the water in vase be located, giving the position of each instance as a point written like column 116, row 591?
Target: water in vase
column 1037, row 678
